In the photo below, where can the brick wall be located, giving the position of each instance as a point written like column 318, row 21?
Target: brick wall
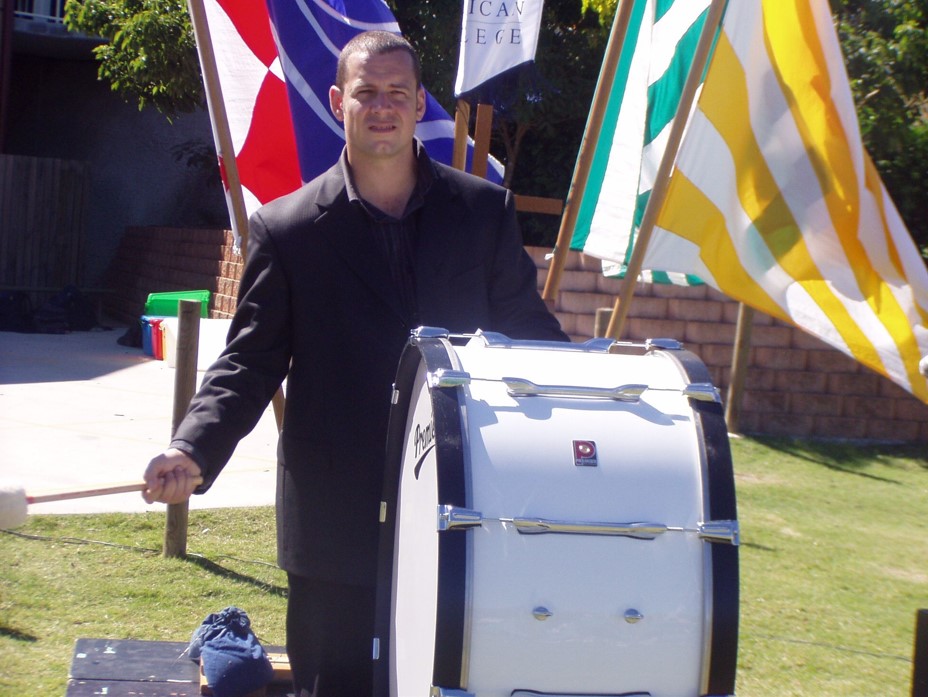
column 154, row 260
column 795, row 385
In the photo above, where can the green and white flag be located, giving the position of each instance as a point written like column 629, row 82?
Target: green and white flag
column 652, row 69
column 772, row 199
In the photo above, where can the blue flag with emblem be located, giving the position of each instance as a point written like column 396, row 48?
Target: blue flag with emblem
column 309, row 35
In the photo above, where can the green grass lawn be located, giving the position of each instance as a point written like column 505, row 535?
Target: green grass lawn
column 834, row 566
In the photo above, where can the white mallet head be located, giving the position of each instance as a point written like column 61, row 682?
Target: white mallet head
column 13, row 506
column 923, row 366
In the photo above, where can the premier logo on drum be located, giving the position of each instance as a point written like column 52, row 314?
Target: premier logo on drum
column 585, row 453
column 424, row 440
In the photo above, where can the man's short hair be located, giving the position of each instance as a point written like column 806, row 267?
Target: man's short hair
column 375, row 43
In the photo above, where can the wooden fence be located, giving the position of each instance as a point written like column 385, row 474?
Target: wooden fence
column 43, row 205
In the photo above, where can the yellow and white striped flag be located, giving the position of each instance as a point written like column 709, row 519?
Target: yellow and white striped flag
column 773, row 186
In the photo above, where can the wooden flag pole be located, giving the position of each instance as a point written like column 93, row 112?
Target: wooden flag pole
column 587, row 148
column 220, row 118
column 461, row 131
column 739, row 365
column 662, row 180
column 224, row 140
column 483, row 129
column 482, row 132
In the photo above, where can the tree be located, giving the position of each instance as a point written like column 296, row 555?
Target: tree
column 885, row 47
column 150, row 52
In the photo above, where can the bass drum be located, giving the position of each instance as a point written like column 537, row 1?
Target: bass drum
column 557, row 519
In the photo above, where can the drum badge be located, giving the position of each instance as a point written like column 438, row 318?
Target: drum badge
column 585, row 453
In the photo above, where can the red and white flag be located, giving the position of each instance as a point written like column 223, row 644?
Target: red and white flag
column 255, row 102
column 275, row 62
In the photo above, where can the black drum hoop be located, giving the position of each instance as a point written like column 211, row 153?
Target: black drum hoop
column 710, row 423
column 448, row 664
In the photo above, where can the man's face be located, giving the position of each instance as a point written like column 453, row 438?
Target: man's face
column 380, row 104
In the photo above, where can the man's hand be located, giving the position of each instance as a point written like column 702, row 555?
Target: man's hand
column 171, row 477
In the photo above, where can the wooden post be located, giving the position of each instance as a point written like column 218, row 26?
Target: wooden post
column 587, row 149
column 461, row 131
column 739, row 367
column 482, row 131
column 920, row 660
column 601, row 321
column 185, row 385
column 662, row 180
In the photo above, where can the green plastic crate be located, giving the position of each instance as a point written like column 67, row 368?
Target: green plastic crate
column 165, row 304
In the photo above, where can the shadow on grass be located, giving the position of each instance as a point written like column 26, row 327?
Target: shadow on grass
column 198, row 559
column 758, row 547
column 219, row 570
column 16, row 634
column 832, row 647
column 850, row 457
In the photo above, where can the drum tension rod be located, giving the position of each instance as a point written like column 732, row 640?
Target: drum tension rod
column 457, row 518
column 522, row 387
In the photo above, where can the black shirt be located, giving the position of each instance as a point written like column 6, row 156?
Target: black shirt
column 396, row 238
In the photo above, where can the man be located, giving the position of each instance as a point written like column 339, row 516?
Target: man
column 338, row 274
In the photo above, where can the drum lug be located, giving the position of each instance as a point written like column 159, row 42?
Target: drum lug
column 721, row 531
column 448, row 378
column 448, row 692
column 430, row 333
column 454, row 518
column 703, row 392
column 663, row 345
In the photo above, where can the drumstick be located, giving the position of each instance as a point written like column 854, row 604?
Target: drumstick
column 14, row 501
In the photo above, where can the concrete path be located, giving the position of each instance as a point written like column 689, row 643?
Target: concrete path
column 79, row 410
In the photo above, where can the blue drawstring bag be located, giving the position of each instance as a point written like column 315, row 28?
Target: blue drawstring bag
column 233, row 660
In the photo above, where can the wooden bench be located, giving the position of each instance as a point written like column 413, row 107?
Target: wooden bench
column 129, row 668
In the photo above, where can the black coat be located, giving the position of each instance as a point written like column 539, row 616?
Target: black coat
column 317, row 305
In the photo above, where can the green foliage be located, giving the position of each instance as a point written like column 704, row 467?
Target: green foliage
column 604, row 9
column 885, row 46
column 150, row 53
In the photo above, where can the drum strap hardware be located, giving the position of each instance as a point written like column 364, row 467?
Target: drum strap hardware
column 456, row 518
